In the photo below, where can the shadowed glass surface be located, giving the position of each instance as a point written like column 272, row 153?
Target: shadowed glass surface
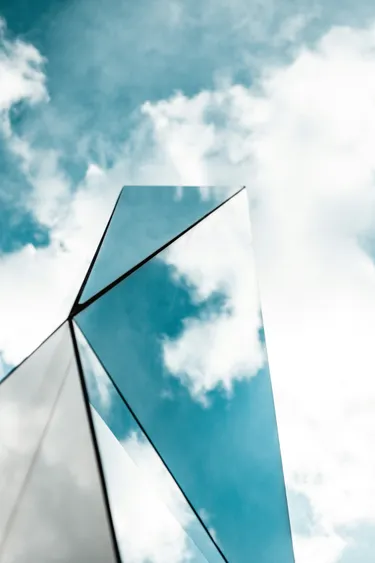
column 26, row 401
column 146, row 218
column 153, row 521
column 58, row 511
column 183, row 339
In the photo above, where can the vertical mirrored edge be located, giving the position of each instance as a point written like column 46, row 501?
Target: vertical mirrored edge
column 259, row 289
column 11, row 372
column 195, row 512
column 90, row 421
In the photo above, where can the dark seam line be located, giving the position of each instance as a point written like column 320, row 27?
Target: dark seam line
column 81, row 306
column 34, row 460
column 92, row 263
column 154, row 447
column 86, row 401
column 31, row 353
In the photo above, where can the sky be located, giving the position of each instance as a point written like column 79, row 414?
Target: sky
column 277, row 96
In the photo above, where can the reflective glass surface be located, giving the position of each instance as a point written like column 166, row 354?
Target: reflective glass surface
column 147, row 217
column 182, row 338
column 153, row 521
column 59, row 514
column 26, row 401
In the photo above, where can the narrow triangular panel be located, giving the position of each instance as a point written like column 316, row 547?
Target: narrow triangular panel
column 146, row 218
column 182, row 339
column 58, row 513
column 152, row 519
column 26, row 401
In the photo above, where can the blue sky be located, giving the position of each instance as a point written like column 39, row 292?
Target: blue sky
column 278, row 96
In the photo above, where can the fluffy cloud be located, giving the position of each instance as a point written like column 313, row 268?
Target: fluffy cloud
column 21, row 73
column 216, row 258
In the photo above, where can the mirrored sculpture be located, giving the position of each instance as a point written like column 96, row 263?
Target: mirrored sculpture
column 144, row 430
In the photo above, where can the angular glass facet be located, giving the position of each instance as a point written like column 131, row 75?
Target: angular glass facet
column 26, row 401
column 182, row 338
column 146, row 218
column 58, row 512
column 152, row 519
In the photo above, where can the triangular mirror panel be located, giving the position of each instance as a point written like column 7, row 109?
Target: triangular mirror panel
column 146, row 218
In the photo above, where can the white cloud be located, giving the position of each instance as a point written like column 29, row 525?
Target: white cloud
column 23, row 81
column 325, row 548
column 51, row 188
column 216, row 257
column 183, row 141
column 21, row 73
column 93, row 171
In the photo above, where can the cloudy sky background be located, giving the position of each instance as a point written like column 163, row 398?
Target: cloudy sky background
column 279, row 97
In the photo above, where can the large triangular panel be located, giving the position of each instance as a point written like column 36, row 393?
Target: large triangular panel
column 26, row 401
column 152, row 519
column 145, row 219
column 52, row 500
column 182, row 339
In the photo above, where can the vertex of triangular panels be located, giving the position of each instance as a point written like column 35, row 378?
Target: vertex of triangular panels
column 182, row 340
column 52, row 501
column 145, row 219
column 152, row 519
